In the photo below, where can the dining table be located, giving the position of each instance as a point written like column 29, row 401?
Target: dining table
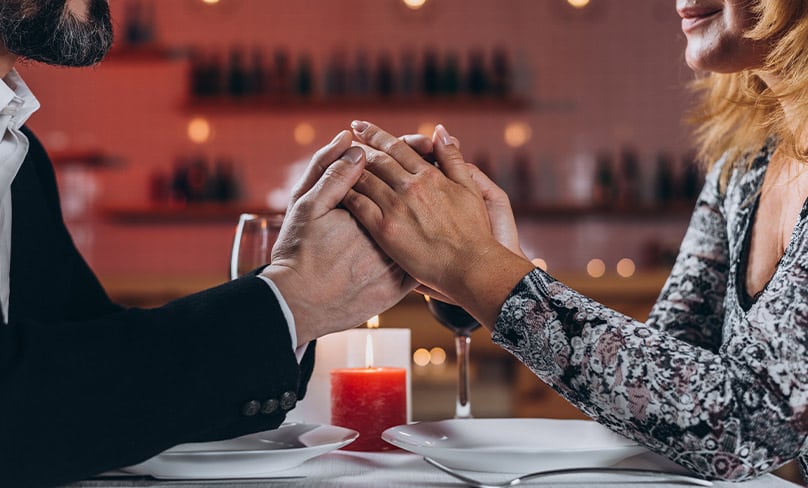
column 399, row 469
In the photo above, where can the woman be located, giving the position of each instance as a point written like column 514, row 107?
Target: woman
column 717, row 378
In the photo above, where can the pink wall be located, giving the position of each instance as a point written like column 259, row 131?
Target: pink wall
column 617, row 68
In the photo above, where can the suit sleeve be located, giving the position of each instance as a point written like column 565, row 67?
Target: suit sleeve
column 87, row 396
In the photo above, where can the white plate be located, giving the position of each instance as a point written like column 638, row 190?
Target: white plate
column 250, row 456
column 513, row 445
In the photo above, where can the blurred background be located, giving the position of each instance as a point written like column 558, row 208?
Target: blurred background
column 208, row 108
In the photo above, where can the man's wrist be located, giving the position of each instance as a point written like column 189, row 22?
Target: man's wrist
column 285, row 282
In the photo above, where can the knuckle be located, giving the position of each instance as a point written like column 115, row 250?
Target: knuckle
column 374, row 157
column 303, row 207
column 395, row 146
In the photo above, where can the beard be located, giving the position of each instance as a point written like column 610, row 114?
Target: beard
column 47, row 31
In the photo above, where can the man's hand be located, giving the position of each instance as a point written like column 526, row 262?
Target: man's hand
column 330, row 273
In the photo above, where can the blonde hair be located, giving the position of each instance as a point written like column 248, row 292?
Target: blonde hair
column 737, row 112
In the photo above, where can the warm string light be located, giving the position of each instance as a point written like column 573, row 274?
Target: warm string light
column 626, row 268
column 414, row 4
column 304, row 134
column 424, row 357
column 199, row 130
column 596, row 268
column 517, row 134
column 578, row 3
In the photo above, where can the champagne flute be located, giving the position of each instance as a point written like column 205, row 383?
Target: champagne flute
column 252, row 244
column 462, row 324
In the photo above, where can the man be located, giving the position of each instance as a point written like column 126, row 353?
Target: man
column 86, row 385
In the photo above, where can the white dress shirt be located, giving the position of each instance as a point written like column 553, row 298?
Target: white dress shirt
column 17, row 103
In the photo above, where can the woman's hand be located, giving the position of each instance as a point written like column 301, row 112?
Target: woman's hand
column 503, row 223
column 434, row 222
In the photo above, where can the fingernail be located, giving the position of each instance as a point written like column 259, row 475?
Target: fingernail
column 338, row 137
column 444, row 136
column 353, row 155
column 359, row 125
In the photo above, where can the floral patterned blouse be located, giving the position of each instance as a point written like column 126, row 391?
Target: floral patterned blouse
column 713, row 380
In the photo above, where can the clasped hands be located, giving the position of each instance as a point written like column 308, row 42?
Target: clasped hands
column 372, row 219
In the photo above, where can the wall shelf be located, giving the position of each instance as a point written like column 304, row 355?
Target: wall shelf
column 195, row 213
column 174, row 214
column 674, row 210
column 232, row 105
column 143, row 54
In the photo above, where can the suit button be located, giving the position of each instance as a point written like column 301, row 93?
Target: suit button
column 251, row 408
column 270, row 406
column 288, row 400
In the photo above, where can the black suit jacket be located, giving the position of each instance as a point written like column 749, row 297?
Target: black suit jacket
column 87, row 386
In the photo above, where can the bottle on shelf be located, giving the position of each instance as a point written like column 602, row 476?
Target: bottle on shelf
column 281, row 75
column 663, row 181
column 476, row 78
column 605, row 189
column 225, row 187
column 691, row 179
column 304, row 78
column 385, row 83
column 450, row 79
column 430, row 73
column 501, row 73
column 360, row 80
column 629, row 185
column 198, row 73
column 212, row 82
column 336, row 75
column 407, row 75
column 237, row 76
column 198, row 181
column 257, row 75
column 133, row 23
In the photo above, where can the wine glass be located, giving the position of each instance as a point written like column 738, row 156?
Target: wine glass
column 252, row 244
column 462, row 324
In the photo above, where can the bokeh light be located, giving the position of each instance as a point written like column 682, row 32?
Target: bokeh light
column 596, row 268
column 304, row 134
column 199, row 130
column 421, row 357
column 437, row 355
column 626, row 268
column 414, row 4
column 517, row 134
column 578, row 3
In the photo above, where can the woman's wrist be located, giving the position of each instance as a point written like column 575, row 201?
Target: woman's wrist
column 487, row 281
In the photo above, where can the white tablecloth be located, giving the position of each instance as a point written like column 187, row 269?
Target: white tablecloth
column 399, row 469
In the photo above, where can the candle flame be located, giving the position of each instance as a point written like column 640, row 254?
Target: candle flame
column 373, row 323
column 368, row 351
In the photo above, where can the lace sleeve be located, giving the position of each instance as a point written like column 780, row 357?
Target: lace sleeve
column 726, row 404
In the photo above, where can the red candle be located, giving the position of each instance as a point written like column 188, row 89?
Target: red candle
column 369, row 401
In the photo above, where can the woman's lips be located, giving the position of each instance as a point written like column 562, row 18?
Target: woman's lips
column 694, row 17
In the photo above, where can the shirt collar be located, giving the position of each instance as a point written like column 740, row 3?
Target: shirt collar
column 16, row 101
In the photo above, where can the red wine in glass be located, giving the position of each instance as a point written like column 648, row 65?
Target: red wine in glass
column 462, row 324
